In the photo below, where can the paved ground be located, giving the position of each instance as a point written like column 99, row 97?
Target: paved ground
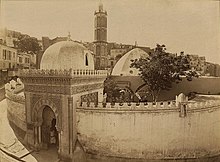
column 10, row 144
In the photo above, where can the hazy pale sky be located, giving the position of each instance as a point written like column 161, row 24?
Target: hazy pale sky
column 192, row 26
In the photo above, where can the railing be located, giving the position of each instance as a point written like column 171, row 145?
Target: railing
column 66, row 73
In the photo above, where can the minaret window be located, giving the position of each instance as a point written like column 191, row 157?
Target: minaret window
column 98, row 21
column 98, row 34
column 95, row 22
column 102, row 50
column 86, row 60
column 98, row 62
column 98, row 50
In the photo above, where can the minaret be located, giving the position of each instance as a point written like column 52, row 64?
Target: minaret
column 100, row 38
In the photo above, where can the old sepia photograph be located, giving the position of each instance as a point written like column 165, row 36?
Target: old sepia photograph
column 109, row 80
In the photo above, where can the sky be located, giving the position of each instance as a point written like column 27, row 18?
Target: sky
column 192, row 26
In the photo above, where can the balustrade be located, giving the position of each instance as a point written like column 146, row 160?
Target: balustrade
column 78, row 72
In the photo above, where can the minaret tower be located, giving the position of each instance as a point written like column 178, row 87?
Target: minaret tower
column 100, row 38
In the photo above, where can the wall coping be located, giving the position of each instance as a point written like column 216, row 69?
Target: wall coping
column 169, row 106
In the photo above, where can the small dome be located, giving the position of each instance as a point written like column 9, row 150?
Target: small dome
column 67, row 55
column 122, row 67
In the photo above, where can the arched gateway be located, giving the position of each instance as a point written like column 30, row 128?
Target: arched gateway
column 45, row 115
column 52, row 96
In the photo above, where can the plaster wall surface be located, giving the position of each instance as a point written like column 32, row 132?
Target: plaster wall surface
column 16, row 113
column 2, row 93
column 147, row 135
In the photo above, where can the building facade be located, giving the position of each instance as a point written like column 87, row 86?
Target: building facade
column 100, row 38
column 24, row 60
column 8, row 57
column 212, row 69
column 197, row 63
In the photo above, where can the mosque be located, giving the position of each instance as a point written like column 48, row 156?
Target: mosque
column 67, row 76
column 62, row 107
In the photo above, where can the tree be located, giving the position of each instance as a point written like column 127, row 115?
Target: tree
column 161, row 69
column 27, row 44
column 111, row 89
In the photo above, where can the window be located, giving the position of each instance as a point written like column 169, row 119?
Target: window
column 98, row 21
column 4, row 54
column 102, row 63
column 20, row 59
column 98, row 50
column 95, row 22
column 27, row 60
column 9, row 55
column 97, row 62
column 102, row 50
column 86, row 60
column 98, row 34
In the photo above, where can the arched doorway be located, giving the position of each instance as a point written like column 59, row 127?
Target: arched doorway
column 49, row 133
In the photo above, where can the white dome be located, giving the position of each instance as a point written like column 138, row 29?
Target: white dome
column 122, row 67
column 67, row 55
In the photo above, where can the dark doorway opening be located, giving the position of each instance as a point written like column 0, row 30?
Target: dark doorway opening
column 49, row 133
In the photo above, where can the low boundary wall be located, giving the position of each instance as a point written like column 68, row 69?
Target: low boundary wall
column 2, row 93
column 16, row 113
column 141, row 131
column 150, row 131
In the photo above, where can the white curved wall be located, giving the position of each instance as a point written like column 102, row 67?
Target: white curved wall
column 149, row 135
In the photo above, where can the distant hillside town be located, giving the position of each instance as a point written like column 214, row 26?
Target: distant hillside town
column 22, row 51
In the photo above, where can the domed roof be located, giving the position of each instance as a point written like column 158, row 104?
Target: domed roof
column 122, row 67
column 67, row 55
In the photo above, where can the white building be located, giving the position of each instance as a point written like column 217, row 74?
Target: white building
column 8, row 57
column 23, row 60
